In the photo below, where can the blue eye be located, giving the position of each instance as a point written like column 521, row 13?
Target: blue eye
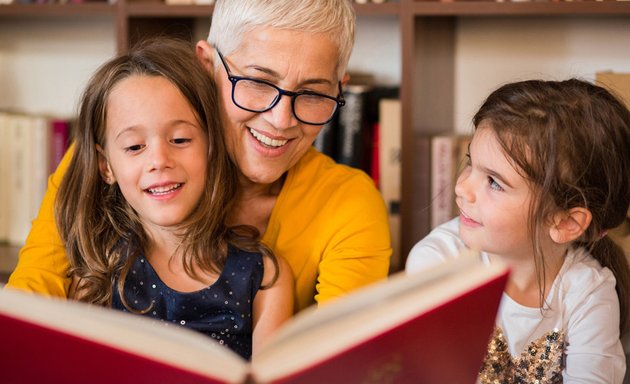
column 494, row 185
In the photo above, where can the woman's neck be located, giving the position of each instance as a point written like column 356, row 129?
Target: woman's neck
column 254, row 203
column 249, row 189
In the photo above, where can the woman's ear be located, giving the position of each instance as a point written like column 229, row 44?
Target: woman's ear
column 205, row 55
column 345, row 80
column 569, row 225
column 103, row 166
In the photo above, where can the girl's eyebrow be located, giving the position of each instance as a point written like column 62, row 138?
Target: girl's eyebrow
column 125, row 130
column 170, row 124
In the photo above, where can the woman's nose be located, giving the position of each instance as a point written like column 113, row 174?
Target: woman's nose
column 281, row 116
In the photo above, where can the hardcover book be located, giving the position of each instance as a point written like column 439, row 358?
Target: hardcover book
column 448, row 158
column 429, row 327
column 390, row 141
column 355, row 123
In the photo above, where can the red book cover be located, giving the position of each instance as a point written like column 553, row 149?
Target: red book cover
column 375, row 162
column 59, row 137
column 431, row 327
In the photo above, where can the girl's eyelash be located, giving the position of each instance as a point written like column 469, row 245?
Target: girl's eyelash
column 494, row 185
column 133, row 148
column 182, row 140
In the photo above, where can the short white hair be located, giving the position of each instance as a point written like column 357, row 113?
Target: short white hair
column 231, row 19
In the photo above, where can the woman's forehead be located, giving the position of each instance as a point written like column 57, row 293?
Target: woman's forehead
column 288, row 53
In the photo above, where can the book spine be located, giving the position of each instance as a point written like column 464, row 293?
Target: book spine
column 442, row 185
column 461, row 160
column 40, row 167
column 618, row 83
column 5, row 177
column 326, row 141
column 24, row 170
column 357, row 121
column 20, row 178
column 375, row 164
column 60, row 132
column 420, row 200
column 352, row 134
column 179, row 2
column 390, row 129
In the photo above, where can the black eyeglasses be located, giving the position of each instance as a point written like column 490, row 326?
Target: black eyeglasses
column 256, row 95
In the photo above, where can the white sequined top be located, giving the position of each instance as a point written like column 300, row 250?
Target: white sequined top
column 575, row 340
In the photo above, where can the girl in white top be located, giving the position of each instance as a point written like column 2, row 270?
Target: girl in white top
column 548, row 175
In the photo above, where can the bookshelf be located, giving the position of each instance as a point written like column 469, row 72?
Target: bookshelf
column 8, row 260
column 428, row 37
column 428, row 80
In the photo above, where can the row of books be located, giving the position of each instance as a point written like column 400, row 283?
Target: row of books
column 189, row 2
column 31, row 146
column 210, row 2
column 372, row 1
column 352, row 137
column 367, row 134
column 437, row 161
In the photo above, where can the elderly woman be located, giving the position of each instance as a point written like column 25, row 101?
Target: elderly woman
column 280, row 67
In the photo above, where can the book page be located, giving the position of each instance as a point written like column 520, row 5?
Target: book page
column 365, row 313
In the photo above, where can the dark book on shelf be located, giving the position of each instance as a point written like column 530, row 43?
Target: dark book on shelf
column 356, row 123
column 326, row 141
column 59, row 141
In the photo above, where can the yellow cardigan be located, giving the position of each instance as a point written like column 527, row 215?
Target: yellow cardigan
column 329, row 222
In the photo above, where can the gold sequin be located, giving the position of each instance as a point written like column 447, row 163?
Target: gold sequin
column 541, row 361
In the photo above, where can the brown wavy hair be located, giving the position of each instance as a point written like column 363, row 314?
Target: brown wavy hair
column 570, row 139
column 101, row 232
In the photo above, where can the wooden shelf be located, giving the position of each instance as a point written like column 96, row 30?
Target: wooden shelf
column 58, row 10
column 372, row 9
column 525, row 8
column 155, row 9
column 148, row 9
column 8, row 260
column 416, row 8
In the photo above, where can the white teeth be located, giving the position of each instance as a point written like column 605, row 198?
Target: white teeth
column 164, row 190
column 268, row 141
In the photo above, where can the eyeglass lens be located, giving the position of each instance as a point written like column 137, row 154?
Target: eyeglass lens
column 260, row 96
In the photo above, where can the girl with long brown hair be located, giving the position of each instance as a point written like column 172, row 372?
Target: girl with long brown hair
column 548, row 176
column 143, row 208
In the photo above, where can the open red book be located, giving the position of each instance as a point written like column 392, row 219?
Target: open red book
column 431, row 327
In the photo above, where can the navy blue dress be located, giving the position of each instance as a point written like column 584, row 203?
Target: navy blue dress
column 222, row 311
